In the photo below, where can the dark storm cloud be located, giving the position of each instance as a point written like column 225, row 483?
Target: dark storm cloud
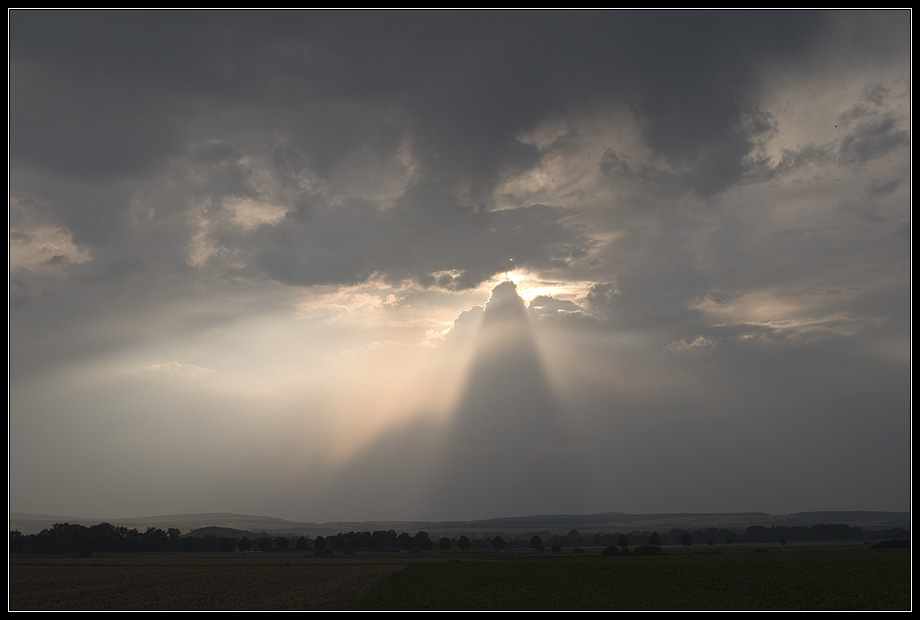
column 108, row 95
column 418, row 241
column 230, row 220
column 92, row 93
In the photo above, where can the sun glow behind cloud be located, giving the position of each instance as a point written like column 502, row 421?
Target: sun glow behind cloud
column 531, row 285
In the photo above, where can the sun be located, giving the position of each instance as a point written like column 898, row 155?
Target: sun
column 531, row 285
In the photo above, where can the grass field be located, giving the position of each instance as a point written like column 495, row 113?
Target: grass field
column 781, row 579
column 715, row 578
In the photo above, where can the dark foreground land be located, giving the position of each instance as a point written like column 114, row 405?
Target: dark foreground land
column 829, row 577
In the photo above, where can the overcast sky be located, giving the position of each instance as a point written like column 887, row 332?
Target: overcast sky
column 447, row 265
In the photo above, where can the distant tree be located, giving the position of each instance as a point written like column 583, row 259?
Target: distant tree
column 758, row 533
column 172, row 535
column 686, row 539
column 381, row 539
column 445, row 543
column 245, row 544
column 622, row 541
column 153, row 539
column 17, row 542
column 319, row 544
column 610, row 550
column 654, row 540
column 891, row 544
column 405, row 541
column 352, row 542
column 282, row 544
column 365, row 540
column 536, row 543
column 265, row 544
column 895, row 533
column 373, row 542
column 463, row 543
column 190, row 543
column 498, row 543
column 423, row 541
column 602, row 540
column 302, row 544
column 210, row 543
column 105, row 538
column 226, row 544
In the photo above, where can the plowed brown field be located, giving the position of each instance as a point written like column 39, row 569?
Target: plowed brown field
column 198, row 583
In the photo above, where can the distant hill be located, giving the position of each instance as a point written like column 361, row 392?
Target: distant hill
column 607, row 522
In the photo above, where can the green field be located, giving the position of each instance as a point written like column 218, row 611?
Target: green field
column 788, row 578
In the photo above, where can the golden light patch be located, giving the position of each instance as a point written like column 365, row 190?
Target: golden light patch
column 530, row 285
column 44, row 249
column 248, row 213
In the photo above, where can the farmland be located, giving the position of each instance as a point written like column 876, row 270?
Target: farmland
column 806, row 577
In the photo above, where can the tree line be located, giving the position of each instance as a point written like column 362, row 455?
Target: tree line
column 69, row 538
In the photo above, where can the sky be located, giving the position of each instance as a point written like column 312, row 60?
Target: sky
column 435, row 265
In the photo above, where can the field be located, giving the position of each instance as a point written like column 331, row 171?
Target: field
column 715, row 578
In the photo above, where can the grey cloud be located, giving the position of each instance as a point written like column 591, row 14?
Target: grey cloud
column 143, row 83
column 58, row 259
column 224, row 170
column 466, row 324
column 693, row 133
column 795, row 161
column 709, row 170
column 348, row 244
column 879, row 189
column 791, row 333
column 370, row 146
column 873, row 140
column 877, row 94
column 545, row 304
column 662, row 184
column 655, row 274
column 82, row 95
column 880, row 203
column 601, row 298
